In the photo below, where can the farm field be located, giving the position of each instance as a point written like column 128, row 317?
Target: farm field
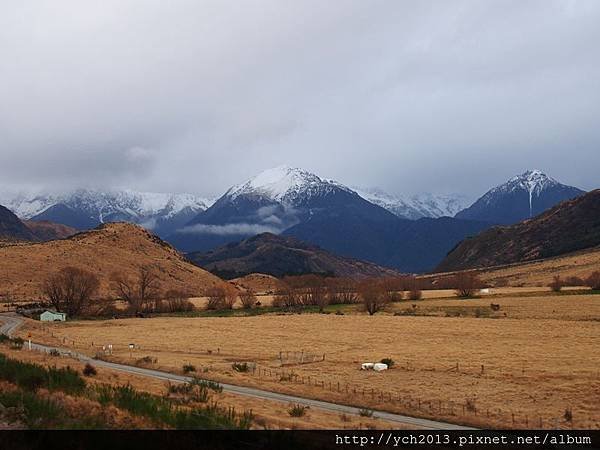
column 534, row 367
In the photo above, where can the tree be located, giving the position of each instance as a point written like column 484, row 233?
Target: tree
column 248, row 299
column 465, row 284
column 557, row 284
column 593, row 281
column 177, row 301
column 373, row 295
column 393, row 287
column 138, row 290
column 220, row 297
column 70, row 289
column 414, row 288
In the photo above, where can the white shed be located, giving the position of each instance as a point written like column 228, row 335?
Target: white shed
column 53, row 316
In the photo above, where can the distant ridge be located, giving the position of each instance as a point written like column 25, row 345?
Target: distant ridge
column 570, row 226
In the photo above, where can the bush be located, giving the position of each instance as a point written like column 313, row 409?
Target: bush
column 297, row 410
column 557, row 284
column 568, row 415
column 240, row 367
column 388, row 361
column 593, row 281
column 89, row 370
column 4, row 338
column 54, row 352
column 188, row 368
column 17, row 343
column 365, row 412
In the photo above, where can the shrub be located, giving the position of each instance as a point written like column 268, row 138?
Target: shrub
column 365, row 412
column 4, row 338
column 240, row 367
column 89, row 370
column 470, row 405
column 146, row 360
column 17, row 343
column 188, row 368
column 593, row 281
column 54, row 352
column 568, row 415
column 297, row 410
column 388, row 361
column 557, row 284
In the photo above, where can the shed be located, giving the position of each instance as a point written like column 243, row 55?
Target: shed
column 53, row 316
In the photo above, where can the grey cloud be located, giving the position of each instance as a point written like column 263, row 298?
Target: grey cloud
column 193, row 96
column 230, row 229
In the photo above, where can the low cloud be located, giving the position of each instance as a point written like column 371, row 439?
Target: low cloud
column 230, row 229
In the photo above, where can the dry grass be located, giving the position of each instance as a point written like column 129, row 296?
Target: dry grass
column 117, row 247
column 258, row 282
column 540, row 273
column 539, row 360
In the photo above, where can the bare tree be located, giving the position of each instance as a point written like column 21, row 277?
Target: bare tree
column 287, row 297
column 414, row 288
column 248, row 299
column 465, row 284
column 557, row 284
column 138, row 290
column 177, row 301
column 393, row 287
column 70, row 289
column 373, row 295
column 221, row 297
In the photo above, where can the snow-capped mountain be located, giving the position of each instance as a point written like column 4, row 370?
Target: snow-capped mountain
column 86, row 208
column 522, row 197
column 293, row 202
column 286, row 185
column 415, row 206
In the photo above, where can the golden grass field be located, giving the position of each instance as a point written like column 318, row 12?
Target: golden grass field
column 533, row 363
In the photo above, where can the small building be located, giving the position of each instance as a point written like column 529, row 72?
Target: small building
column 53, row 316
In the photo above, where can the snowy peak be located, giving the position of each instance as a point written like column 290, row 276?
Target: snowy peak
column 533, row 181
column 284, row 184
column 416, row 206
column 521, row 197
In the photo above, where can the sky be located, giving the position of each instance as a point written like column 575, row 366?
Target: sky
column 194, row 96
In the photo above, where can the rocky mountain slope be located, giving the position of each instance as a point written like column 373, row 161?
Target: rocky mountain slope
column 278, row 256
column 570, row 226
column 522, row 197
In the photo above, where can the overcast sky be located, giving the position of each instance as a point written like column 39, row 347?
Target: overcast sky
column 193, row 96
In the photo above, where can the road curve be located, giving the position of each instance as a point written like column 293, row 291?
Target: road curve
column 10, row 323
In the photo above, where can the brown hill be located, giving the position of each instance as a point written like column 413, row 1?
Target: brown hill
column 568, row 227
column 45, row 230
column 114, row 247
column 258, row 282
column 282, row 255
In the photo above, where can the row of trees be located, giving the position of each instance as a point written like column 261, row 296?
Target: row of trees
column 72, row 289
column 592, row 281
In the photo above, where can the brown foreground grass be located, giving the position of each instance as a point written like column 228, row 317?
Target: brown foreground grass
column 268, row 414
column 525, row 369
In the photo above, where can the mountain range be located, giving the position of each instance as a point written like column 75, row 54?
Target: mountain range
column 85, row 209
column 567, row 227
column 410, row 234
